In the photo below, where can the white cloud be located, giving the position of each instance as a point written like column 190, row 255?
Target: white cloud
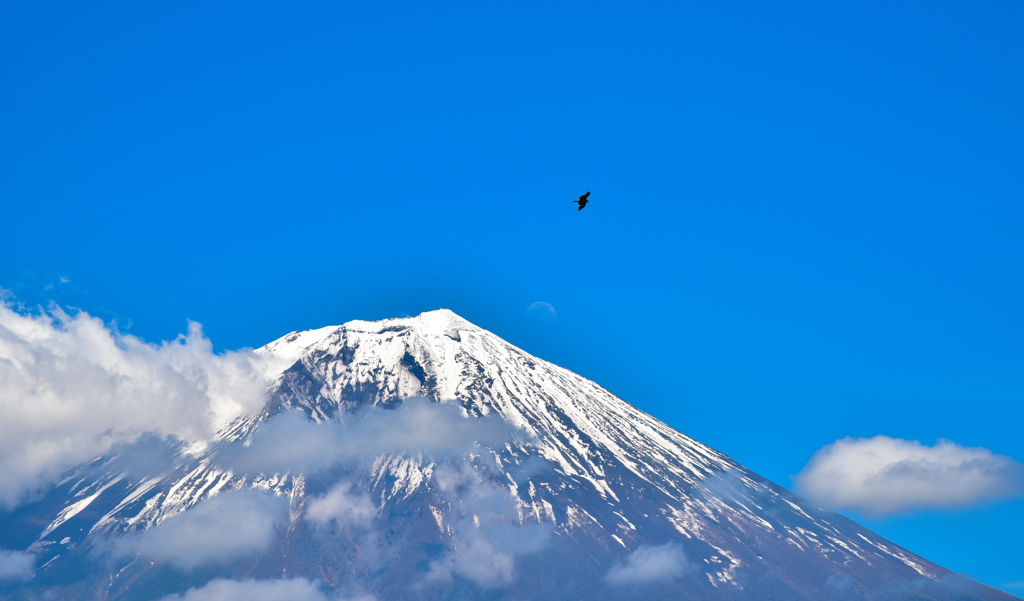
column 342, row 505
column 646, row 565
column 292, row 443
column 487, row 530
column 484, row 514
column 294, row 589
column 228, row 526
column 72, row 387
column 881, row 475
column 15, row 565
column 476, row 560
column 486, row 553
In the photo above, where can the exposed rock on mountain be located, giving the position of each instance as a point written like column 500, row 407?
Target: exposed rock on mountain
column 426, row 458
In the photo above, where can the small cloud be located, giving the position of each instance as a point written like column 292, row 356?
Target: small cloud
column 341, row 505
column 476, row 560
column 646, row 565
column 15, row 565
column 882, row 476
column 838, row 583
column 293, row 589
column 542, row 310
column 487, row 530
column 487, row 552
column 228, row 526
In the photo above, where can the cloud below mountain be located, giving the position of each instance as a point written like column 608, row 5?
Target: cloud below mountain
column 15, row 565
column 647, row 565
column 486, row 525
column 228, row 526
column 292, row 442
column 73, row 387
column 293, row 589
column 341, row 505
column 883, row 476
column 486, row 528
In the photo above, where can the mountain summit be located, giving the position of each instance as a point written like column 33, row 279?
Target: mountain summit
column 427, row 458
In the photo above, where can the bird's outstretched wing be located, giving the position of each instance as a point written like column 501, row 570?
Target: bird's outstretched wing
column 584, row 197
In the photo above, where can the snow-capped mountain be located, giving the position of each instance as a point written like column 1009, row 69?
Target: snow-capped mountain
column 580, row 495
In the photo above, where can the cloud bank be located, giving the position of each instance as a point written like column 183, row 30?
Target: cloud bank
column 341, row 505
column 487, row 531
column 290, row 442
column 226, row 527
column 72, row 388
column 647, row 565
column 294, row 589
column 15, row 565
column 883, row 476
column 484, row 516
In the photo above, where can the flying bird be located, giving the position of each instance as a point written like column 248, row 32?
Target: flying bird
column 582, row 201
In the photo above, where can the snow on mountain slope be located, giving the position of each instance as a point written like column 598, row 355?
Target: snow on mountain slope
column 441, row 355
column 604, row 478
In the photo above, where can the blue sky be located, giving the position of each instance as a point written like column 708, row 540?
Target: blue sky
column 805, row 220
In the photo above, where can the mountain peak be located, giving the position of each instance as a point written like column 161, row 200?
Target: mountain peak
column 614, row 487
column 437, row 322
column 443, row 320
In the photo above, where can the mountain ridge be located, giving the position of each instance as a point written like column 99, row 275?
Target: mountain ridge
column 601, row 478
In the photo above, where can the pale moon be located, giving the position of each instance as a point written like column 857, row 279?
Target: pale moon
column 542, row 310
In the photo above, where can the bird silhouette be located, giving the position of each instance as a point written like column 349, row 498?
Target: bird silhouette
column 582, row 201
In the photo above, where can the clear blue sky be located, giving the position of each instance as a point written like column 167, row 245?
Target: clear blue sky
column 806, row 219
